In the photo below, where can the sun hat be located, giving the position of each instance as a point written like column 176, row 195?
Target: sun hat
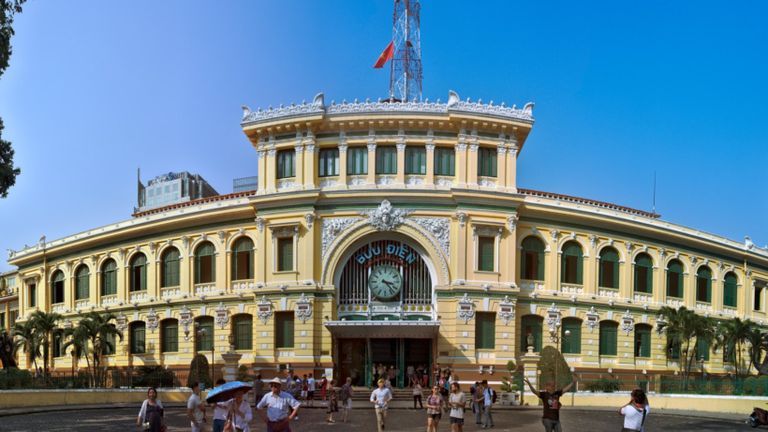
column 276, row 380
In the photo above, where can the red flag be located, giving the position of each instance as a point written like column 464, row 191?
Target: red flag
column 385, row 56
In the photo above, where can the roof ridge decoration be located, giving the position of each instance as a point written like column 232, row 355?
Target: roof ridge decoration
column 454, row 104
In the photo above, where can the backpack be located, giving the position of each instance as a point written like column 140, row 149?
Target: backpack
column 493, row 396
column 344, row 393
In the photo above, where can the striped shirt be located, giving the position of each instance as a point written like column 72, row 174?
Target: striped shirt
column 278, row 407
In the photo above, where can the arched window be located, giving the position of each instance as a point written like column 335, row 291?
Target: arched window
column 704, row 284
column 110, row 341
column 138, row 331
column 675, row 279
column 109, row 277
column 609, row 332
column 642, row 340
column 82, row 276
column 58, row 343
column 531, row 333
column 572, row 263
column 571, row 336
column 242, row 258
column 138, row 273
column 169, row 334
column 205, row 263
column 730, row 288
column 242, row 331
column 644, row 273
column 203, row 333
column 169, row 276
column 532, row 259
column 609, row 268
column 57, row 287
column 702, row 349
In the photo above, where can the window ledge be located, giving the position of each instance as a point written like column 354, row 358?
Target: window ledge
column 487, row 272
column 283, row 272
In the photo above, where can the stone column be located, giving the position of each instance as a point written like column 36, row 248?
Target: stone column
column 343, row 159
column 530, row 363
column 400, row 176
column 299, row 160
column 310, row 161
column 229, row 370
column 461, row 159
column 512, row 163
column 501, row 166
column 371, row 180
column 271, row 169
column 262, row 166
column 429, row 179
column 472, row 173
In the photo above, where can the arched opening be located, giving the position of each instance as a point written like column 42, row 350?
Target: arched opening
column 531, row 333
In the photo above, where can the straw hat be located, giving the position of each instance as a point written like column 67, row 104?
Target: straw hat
column 275, row 381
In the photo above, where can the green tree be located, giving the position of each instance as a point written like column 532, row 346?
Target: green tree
column 8, row 173
column 683, row 328
column 554, row 368
column 7, row 350
column 44, row 324
column 101, row 332
column 26, row 339
column 733, row 335
column 199, row 371
column 77, row 339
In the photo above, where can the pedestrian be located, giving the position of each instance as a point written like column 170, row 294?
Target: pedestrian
column 220, row 411
column 278, row 403
column 345, row 396
column 550, row 399
column 323, row 387
column 417, row 395
column 196, row 409
column 311, row 384
column 457, row 401
column 258, row 388
column 477, row 402
column 435, row 405
column 410, row 371
column 241, row 412
column 151, row 413
column 488, row 396
column 635, row 412
column 380, row 398
column 333, row 401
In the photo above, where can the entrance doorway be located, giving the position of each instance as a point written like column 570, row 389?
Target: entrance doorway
column 367, row 360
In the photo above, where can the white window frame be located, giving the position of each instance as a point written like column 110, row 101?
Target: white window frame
column 280, row 232
column 486, row 230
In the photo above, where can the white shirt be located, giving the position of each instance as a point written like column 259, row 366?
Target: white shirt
column 221, row 410
column 381, row 396
column 143, row 410
column 457, row 398
column 239, row 421
column 633, row 417
column 311, row 384
column 194, row 403
column 277, row 406
column 487, row 397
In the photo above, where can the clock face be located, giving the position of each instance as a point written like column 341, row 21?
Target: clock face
column 385, row 282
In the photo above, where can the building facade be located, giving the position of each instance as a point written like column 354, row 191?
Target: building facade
column 392, row 233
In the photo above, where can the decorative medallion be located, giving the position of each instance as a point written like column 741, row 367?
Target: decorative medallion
column 553, row 322
column 265, row 309
column 222, row 315
column 466, row 309
column 592, row 318
column 512, row 222
column 303, row 308
column 385, row 217
column 185, row 319
column 661, row 324
column 152, row 320
column 627, row 322
column 507, row 310
column 332, row 227
column 440, row 228
column 122, row 322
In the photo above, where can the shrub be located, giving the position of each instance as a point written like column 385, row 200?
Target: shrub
column 243, row 373
column 199, row 371
column 554, row 368
column 15, row 379
column 603, row 385
column 154, row 376
column 509, row 383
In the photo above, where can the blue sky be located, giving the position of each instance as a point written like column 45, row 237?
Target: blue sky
column 96, row 89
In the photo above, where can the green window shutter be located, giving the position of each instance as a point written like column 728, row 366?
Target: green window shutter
column 285, row 254
column 540, row 265
column 487, row 161
column 284, row 325
column 357, row 161
column 643, row 277
column 608, row 338
column 445, row 161
column 170, row 263
column 642, row 341
column 486, row 247
column 170, row 335
column 572, row 343
column 204, row 334
column 729, row 290
column 329, row 162
column 415, row 160
column 485, row 330
column 702, row 349
column 243, row 328
column 286, row 166
column 580, row 269
column 386, row 160
column 138, row 338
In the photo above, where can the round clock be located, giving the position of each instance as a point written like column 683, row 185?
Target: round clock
column 385, row 282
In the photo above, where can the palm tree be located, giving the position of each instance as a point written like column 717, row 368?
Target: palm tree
column 733, row 334
column 7, row 350
column 757, row 341
column 78, row 340
column 100, row 332
column 684, row 327
column 27, row 340
column 45, row 324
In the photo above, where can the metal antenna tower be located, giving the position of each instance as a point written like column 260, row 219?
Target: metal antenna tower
column 405, row 68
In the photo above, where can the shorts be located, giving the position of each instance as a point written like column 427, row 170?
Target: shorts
column 347, row 404
column 310, row 394
column 456, row 420
column 437, row 416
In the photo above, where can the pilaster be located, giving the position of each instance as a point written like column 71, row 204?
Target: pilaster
column 512, row 149
column 429, row 179
column 461, row 159
column 271, row 168
column 300, row 165
column 310, row 161
column 501, row 168
column 400, row 176
column 343, row 159
column 371, row 178
column 472, row 161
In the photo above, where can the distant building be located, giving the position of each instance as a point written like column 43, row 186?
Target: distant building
column 172, row 188
column 245, row 184
column 9, row 299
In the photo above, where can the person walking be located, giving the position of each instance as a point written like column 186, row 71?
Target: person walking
column 241, row 412
column 345, row 396
column 151, row 413
column 278, row 403
column 435, row 404
column 380, row 398
column 417, row 393
column 477, row 402
column 258, row 388
column 635, row 412
column 488, row 395
column 196, row 409
column 220, row 411
column 457, row 401
column 311, row 385
column 333, row 401
column 323, row 387
column 551, row 402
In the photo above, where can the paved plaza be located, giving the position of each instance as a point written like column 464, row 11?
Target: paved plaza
column 311, row 420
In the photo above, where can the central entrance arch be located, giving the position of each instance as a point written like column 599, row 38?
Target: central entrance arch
column 386, row 311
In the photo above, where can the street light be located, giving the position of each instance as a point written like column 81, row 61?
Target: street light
column 202, row 332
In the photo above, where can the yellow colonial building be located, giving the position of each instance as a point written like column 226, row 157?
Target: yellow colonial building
column 392, row 233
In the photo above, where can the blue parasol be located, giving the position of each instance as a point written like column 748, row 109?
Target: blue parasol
column 226, row 391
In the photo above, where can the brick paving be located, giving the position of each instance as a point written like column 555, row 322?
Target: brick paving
column 362, row 420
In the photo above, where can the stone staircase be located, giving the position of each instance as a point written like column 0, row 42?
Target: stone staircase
column 405, row 394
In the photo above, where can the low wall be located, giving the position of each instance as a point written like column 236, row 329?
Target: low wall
column 700, row 403
column 38, row 398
